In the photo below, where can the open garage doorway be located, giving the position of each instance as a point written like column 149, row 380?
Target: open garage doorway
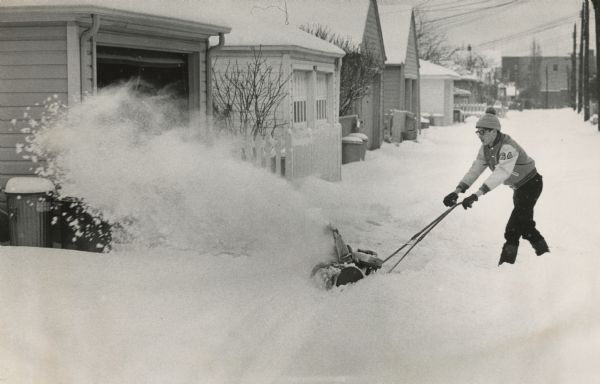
column 153, row 73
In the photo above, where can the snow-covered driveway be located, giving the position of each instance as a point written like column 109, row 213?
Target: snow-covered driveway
column 225, row 297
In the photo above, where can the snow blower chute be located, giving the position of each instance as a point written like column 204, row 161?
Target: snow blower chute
column 352, row 266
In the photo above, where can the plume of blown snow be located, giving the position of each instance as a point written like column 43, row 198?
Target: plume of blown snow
column 156, row 179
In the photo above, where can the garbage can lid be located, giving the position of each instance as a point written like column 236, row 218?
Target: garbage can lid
column 352, row 140
column 29, row 185
column 361, row 136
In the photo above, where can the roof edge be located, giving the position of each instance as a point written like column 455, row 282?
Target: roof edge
column 294, row 48
column 69, row 12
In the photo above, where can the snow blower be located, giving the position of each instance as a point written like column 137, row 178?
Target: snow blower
column 352, row 266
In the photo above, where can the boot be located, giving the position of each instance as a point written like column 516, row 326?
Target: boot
column 509, row 254
column 540, row 247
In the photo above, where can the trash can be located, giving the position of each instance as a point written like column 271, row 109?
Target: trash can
column 437, row 119
column 80, row 230
column 457, row 116
column 351, row 149
column 397, row 125
column 410, row 127
column 365, row 139
column 29, row 202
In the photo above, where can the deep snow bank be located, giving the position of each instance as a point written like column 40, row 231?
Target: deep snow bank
column 189, row 309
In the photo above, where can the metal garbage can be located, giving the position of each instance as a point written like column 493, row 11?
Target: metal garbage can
column 410, row 127
column 29, row 201
column 365, row 139
column 458, row 116
column 351, row 149
column 437, row 119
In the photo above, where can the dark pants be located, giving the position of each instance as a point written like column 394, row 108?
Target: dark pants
column 521, row 223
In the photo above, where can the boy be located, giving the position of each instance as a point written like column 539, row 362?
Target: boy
column 510, row 165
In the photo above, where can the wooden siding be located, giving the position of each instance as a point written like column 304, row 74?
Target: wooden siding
column 372, row 36
column 411, row 63
column 371, row 107
column 448, row 102
column 432, row 96
column 33, row 69
column 437, row 97
column 202, row 87
column 392, row 88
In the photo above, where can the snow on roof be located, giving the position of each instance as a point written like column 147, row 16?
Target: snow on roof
column 396, row 23
column 248, row 29
column 431, row 70
column 461, row 92
column 345, row 18
column 251, row 28
column 187, row 10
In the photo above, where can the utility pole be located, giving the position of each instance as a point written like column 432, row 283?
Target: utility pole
column 546, row 86
column 569, row 85
column 586, row 64
column 596, row 4
column 580, row 69
column 573, row 87
column 470, row 62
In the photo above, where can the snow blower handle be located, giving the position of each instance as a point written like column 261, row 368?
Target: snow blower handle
column 417, row 237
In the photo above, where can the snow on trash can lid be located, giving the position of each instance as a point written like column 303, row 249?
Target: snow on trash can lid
column 29, row 185
column 352, row 140
column 361, row 136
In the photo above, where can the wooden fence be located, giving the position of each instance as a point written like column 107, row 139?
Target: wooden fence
column 299, row 153
column 478, row 109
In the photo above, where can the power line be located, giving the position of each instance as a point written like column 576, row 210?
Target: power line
column 474, row 15
column 455, row 7
column 496, row 6
column 540, row 28
column 565, row 38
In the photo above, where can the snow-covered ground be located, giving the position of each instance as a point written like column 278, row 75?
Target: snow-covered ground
column 214, row 287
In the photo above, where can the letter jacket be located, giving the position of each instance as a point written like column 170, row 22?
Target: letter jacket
column 507, row 160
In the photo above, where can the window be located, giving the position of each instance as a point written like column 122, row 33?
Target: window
column 322, row 82
column 555, row 67
column 311, row 96
column 300, row 96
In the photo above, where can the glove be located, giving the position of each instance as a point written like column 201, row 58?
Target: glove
column 468, row 201
column 450, row 199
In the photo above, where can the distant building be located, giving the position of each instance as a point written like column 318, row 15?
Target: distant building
column 437, row 90
column 542, row 82
column 401, row 75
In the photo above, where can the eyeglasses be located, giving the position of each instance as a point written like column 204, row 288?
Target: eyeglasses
column 482, row 131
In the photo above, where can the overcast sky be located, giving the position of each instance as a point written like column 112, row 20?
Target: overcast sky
column 509, row 26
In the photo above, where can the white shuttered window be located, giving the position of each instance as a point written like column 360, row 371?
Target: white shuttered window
column 300, row 97
column 322, row 92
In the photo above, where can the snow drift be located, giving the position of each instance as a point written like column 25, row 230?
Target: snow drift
column 213, row 286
